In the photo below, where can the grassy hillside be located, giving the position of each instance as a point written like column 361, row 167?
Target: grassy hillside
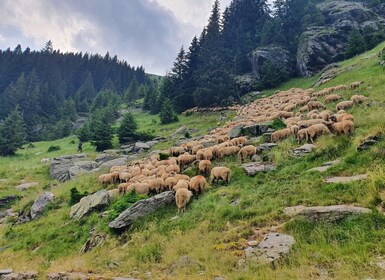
column 214, row 229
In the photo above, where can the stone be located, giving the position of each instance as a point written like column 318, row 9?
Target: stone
column 254, row 130
column 67, row 276
column 254, row 168
column 218, row 278
column 6, row 200
column 6, row 271
column 272, row 247
column 26, row 186
column 236, row 131
column 141, row 209
column 141, row 145
column 369, row 142
column 40, row 204
column 89, row 203
column 325, row 213
column 346, row 179
column 59, row 168
column 304, row 149
column 30, row 275
column 94, row 241
column 266, row 146
column 151, row 143
column 45, row 160
column 86, row 165
column 114, row 162
column 124, row 278
column 326, row 166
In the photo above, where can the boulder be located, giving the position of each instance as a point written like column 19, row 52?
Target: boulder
column 254, row 168
column 141, row 209
column 141, row 145
column 254, row 130
column 346, row 179
column 272, row 247
column 266, row 146
column 40, row 204
column 369, row 142
column 114, row 162
column 304, row 149
column 86, row 165
column 6, row 271
column 25, row 186
column 236, row 131
column 152, row 143
column 89, row 203
column 6, row 200
column 94, row 241
column 60, row 166
column 325, row 166
column 325, row 213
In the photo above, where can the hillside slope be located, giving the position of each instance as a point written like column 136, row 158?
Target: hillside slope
column 213, row 230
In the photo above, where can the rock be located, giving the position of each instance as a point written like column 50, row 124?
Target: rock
column 326, row 166
column 254, row 168
column 368, row 142
column 272, row 247
column 322, row 45
column 6, row 271
column 114, row 162
column 141, row 145
column 94, row 241
column 67, row 276
column 180, row 130
column 266, row 146
column 124, row 278
column 186, row 262
column 142, row 208
column 6, row 200
column 327, row 74
column 40, row 204
column 325, row 213
column 218, row 278
column 271, row 54
column 86, row 165
column 59, row 168
column 89, row 203
column 252, row 243
column 26, row 186
column 20, row 276
column 380, row 263
column 257, row 129
column 236, row 131
column 45, row 160
column 346, row 179
column 151, row 143
column 304, row 149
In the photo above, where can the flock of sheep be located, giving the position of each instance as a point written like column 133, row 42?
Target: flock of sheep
column 152, row 175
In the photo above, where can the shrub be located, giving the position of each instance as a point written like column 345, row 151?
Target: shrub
column 277, row 124
column 163, row 156
column 187, row 134
column 125, row 202
column 75, row 196
column 53, row 148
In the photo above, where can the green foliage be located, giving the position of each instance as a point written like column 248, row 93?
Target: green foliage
column 53, row 149
column 84, row 133
column 122, row 204
column 356, row 43
column 12, row 133
column 75, row 196
column 163, row 156
column 127, row 128
column 277, row 124
column 167, row 113
column 100, row 129
column 271, row 75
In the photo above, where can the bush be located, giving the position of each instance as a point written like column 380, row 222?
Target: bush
column 125, row 202
column 144, row 136
column 53, row 148
column 167, row 113
column 75, row 196
column 277, row 124
column 187, row 134
column 163, row 156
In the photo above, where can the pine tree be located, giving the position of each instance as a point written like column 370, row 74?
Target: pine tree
column 132, row 91
column 12, row 133
column 127, row 128
column 356, row 43
column 167, row 113
column 100, row 130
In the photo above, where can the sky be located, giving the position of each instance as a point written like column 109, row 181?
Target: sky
column 146, row 33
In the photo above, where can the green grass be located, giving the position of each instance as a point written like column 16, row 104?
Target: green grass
column 213, row 229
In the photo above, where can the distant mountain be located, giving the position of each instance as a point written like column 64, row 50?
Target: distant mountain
column 251, row 46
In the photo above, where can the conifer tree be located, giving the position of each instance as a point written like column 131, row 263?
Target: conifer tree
column 127, row 128
column 100, row 130
column 12, row 133
column 167, row 113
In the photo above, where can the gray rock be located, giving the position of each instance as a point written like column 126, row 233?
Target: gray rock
column 59, row 168
column 4, row 201
column 346, row 179
column 218, row 278
column 40, row 204
column 273, row 247
column 31, row 275
column 326, row 166
column 141, row 145
column 267, row 146
column 304, row 149
column 254, row 168
column 368, row 142
column 325, row 213
column 256, row 129
column 114, row 162
column 141, row 209
column 86, row 165
column 89, row 203
column 26, row 186
column 67, row 276
column 180, row 130
column 45, row 160
column 94, row 241
column 6, row 271
column 236, row 131
column 152, row 143
column 185, row 262
column 124, row 278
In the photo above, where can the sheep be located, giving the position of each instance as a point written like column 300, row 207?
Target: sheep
column 181, row 184
column 307, row 123
column 204, row 167
column 220, row 173
column 176, row 151
column 247, row 151
column 344, row 127
column 304, row 109
column 315, row 105
column 344, row 105
column 342, row 117
column 294, row 129
column 280, row 134
column 358, row 99
column 227, row 151
column 332, row 98
column 173, row 168
column 156, row 185
column 196, row 148
column 316, row 130
column 123, row 188
column 185, row 159
column 207, row 154
column 325, row 115
column 181, row 176
column 355, row 84
column 222, row 139
column 108, row 178
column 301, row 135
column 197, row 184
column 239, row 141
column 182, row 197
column 142, row 188
column 170, row 182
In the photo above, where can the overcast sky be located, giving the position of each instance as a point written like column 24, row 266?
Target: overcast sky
column 143, row 32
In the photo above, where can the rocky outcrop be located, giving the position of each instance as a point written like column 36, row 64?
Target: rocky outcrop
column 89, row 203
column 347, row 179
column 60, row 166
column 325, row 213
column 40, row 204
column 304, row 149
column 253, row 168
column 255, row 130
column 326, row 166
column 141, row 209
column 322, row 45
column 26, row 186
column 369, row 142
column 6, row 200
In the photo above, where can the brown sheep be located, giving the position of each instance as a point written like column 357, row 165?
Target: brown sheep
column 304, row 109
column 185, row 160
column 307, row 123
column 182, row 197
column 220, row 173
column 342, row 117
column 142, row 188
column 170, row 182
column 198, row 184
column 196, row 148
column 355, row 84
column 222, row 139
column 344, row 105
column 156, row 185
column 207, row 154
column 332, row 98
column 227, row 151
column 181, row 184
column 358, row 99
column 301, row 135
column 315, row 105
column 294, row 129
column 176, row 151
column 280, row 134
column 108, row 178
column 124, row 188
column 247, row 151
column 181, row 176
column 344, row 127
column 173, row 168
column 316, row 130
column 204, row 167
column 239, row 141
